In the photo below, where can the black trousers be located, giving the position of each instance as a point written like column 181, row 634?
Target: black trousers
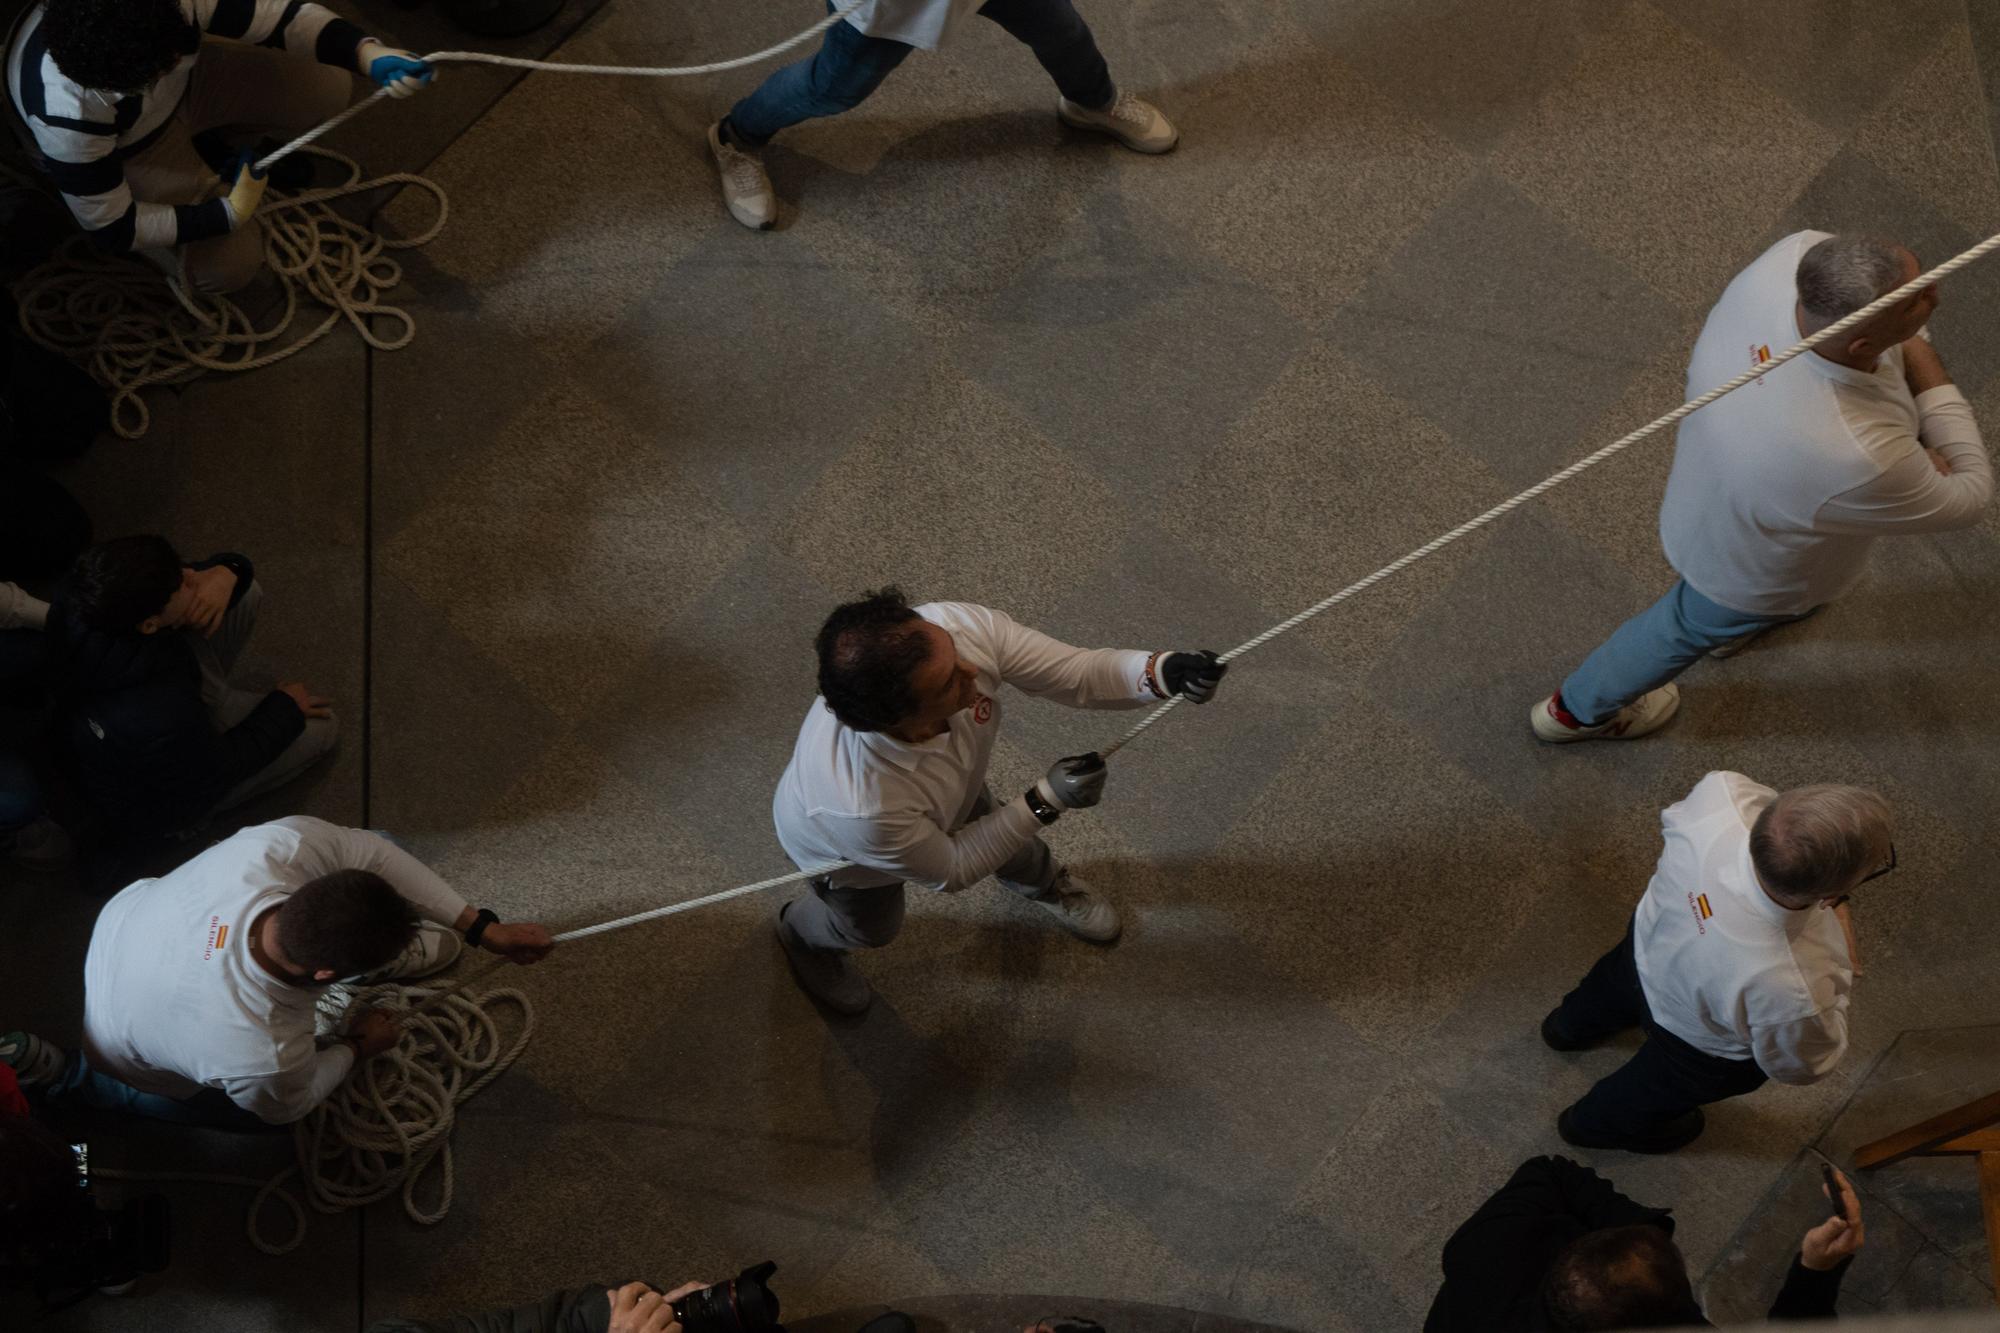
column 1666, row 1079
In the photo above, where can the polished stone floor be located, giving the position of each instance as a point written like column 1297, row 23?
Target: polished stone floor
column 561, row 560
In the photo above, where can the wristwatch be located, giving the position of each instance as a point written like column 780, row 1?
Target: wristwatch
column 1039, row 806
column 487, row 916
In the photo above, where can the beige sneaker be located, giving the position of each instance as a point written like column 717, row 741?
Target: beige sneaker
column 1132, row 121
column 746, row 188
column 1643, row 716
column 430, row 951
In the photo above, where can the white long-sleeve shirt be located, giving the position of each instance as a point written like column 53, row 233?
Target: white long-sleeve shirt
column 897, row 809
column 19, row 610
column 173, row 1000
column 1724, row 967
column 1779, row 489
column 924, row 24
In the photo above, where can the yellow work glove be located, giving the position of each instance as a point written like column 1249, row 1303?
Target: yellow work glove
column 246, row 193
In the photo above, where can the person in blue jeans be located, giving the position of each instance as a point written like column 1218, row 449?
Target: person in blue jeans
column 1779, row 490
column 860, row 51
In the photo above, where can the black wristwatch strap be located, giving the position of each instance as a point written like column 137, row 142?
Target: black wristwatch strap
column 1041, row 809
column 479, row 924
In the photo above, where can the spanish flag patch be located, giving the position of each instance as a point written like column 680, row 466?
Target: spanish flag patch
column 221, row 936
column 1702, row 908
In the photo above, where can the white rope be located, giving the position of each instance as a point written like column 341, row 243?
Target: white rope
column 1549, row 483
column 561, row 67
column 387, row 1129
column 133, row 327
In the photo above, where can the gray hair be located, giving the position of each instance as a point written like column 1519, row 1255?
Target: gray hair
column 1816, row 841
column 1843, row 273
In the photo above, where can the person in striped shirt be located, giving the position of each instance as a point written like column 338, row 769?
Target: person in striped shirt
column 136, row 110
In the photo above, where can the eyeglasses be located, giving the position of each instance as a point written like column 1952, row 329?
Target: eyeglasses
column 1885, row 869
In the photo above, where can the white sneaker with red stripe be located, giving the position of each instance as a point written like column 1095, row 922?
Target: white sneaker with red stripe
column 1644, row 715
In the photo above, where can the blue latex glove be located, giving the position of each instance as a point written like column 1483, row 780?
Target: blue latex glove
column 401, row 72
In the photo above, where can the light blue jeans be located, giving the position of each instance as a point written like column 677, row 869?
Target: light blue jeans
column 82, row 1086
column 1652, row 648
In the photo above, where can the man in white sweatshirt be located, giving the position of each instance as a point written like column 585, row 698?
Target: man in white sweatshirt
column 890, row 773
column 200, row 987
column 1737, row 964
column 1778, row 490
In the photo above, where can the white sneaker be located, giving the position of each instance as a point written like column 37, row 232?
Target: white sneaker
column 745, row 186
column 430, row 951
column 1644, row 715
column 1132, row 121
column 34, row 1060
column 1081, row 912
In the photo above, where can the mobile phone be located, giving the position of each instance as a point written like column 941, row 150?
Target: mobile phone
column 1836, row 1200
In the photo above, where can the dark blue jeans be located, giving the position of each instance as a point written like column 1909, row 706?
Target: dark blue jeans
column 1666, row 1079
column 850, row 65
column 82, row 1086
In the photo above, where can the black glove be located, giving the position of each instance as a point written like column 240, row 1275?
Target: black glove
column 1194, row 675
column 1072, row 783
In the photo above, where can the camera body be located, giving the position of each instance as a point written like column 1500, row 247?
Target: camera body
column 76, row 1245
column 740, row 1305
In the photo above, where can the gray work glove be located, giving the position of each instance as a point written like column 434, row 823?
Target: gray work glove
column 1075, row 782
column 1192, row 675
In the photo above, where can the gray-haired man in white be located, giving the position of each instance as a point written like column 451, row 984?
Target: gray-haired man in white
column 1779, row 489
column 890, row 773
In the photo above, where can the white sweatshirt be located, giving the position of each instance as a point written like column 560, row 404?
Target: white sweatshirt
column 1724, row 967
column 898, row 810
column 925, row 24
column 1778, row 490
column 173, row 1001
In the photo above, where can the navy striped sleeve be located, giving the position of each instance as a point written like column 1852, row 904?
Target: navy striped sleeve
column 116, row 237
column 339, row 42
column 98, row 176
column 277, row 35
column 231, row 18
column 198, row 222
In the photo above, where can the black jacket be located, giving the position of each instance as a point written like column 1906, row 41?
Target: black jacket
column 137, row 736
column 1494, row 1264
column 579, row 1310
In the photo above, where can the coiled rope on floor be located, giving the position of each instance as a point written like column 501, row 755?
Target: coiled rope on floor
column 134, row 327
column 386, row 1130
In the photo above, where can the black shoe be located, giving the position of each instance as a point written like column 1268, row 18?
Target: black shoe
column 1557, row 1038
column 1671, row 1136
column 895, row 1321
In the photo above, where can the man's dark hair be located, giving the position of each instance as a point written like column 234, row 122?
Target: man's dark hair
column 347, row 922
column 117, row 46
column 116, row 584
column 1621, row 1277
column 867, row 651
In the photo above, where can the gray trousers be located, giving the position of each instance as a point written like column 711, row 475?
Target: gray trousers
column 868, row 917
column 228, row 704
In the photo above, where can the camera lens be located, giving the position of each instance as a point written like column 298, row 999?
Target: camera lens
column 741, row 1305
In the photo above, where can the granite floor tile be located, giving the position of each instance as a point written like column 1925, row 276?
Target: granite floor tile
column 1503, row 327
column 1662, row 155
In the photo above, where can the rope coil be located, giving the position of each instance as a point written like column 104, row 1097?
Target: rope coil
column 132, row 327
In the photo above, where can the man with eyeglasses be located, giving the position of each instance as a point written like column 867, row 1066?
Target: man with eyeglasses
column 1737, row 963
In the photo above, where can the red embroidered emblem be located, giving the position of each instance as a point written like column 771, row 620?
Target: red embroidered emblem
column 982, row 712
